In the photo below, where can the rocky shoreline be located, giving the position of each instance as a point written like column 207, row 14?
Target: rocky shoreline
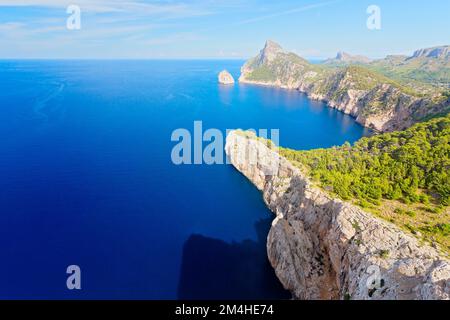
column 324, row 248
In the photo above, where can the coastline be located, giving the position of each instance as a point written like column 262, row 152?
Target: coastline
column 329, row 104
column 372, row 98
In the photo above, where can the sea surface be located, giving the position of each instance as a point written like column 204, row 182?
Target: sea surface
column 86, row 179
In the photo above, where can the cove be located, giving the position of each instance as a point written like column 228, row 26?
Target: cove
column 87, row 179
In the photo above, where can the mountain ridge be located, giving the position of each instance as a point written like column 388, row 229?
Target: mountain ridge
column 344, row 57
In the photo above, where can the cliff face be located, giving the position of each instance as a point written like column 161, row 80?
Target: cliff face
column 323, row 248
column 374, row 100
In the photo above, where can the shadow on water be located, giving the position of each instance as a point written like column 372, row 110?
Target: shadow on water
column 214, row 269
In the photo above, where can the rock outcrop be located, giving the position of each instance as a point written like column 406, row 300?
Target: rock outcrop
column 373, row 99
column 226, row 78
column 324, row 248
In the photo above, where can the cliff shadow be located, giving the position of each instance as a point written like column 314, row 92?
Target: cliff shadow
column 214, row 269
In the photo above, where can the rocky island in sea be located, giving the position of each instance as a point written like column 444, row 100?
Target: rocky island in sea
column 226, row 78
column 368, row 221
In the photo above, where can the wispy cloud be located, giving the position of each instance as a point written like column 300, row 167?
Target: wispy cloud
column 287, row 12
column 102, row 20
column 10, row 26
column 169, row 9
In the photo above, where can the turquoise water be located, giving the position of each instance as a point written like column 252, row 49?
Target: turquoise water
column 86, row 178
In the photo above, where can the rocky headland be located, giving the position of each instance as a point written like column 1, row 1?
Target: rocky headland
column 324, row 248
column 374, row 99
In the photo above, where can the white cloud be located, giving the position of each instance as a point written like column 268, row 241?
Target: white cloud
column 115, row 6
column 287, row 12
column 10, row 26
column 108, row 19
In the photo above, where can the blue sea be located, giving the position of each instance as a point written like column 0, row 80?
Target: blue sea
column 86, row 179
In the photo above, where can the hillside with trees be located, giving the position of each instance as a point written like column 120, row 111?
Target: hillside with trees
column 402, row 176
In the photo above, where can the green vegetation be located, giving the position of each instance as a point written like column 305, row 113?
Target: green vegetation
column 442, row 229
column 410, row 213
column 262, row 73
column 384, row 254
column 431, row 71
column 367, row 79
column 337, row 84
column 402, row 176
column 421, row 73
column 392, row 165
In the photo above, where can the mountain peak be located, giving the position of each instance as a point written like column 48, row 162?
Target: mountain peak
column 270, row 51
column 341, row 55
column 272, row 45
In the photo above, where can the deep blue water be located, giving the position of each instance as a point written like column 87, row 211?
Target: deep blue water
column 86, row 178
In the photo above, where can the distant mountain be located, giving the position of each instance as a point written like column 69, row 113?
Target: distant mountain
column 365, row 91
column 425, row 67
column 442, row 52
column 343, row 58
column 269, row 52
column 430, row 66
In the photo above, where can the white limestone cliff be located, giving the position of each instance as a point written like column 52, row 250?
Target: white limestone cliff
column 324, row 248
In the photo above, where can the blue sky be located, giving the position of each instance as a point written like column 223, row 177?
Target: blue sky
column 218, row 28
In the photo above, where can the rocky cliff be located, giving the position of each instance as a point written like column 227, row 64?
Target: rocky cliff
column 375, row 100
column 323, row 248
